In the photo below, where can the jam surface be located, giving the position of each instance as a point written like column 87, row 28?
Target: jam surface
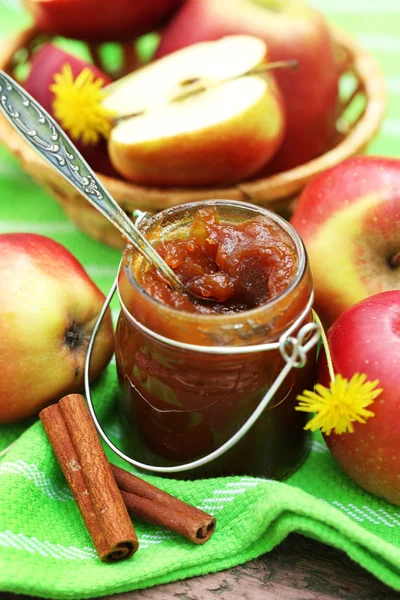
column 238, row 266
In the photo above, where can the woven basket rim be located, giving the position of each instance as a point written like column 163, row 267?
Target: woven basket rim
column 275, row 189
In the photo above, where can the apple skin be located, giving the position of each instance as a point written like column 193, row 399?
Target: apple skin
column 45, row 63
column 349, row 220
column 48, row 307
column 366, row 339
column 292, row 30
column 101, row 20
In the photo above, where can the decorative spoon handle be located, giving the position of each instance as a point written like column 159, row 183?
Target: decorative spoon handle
column 47, row 138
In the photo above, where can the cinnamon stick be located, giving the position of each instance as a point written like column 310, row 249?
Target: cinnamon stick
column 147, row 503
column 74, row 439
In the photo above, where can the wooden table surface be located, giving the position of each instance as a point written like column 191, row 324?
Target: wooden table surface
column 298, row 569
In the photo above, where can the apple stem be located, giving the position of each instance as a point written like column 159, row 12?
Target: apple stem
column 326, row 347
column 278, row 64
column 394, row 261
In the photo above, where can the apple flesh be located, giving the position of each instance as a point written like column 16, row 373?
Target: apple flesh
column 349, row 220
column 223, row 127
column 366, row 339
column 101, row 20
column 48, row 307
column 45, row 63
column 291, row 30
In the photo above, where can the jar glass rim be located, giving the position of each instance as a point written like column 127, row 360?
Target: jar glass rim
column 218, row 318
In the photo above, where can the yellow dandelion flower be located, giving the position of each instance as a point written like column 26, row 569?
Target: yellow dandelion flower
column 338, row 407
column 344, row 403
column 78, row 105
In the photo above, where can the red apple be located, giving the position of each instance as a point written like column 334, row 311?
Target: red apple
column 349, row 219
column 45, row 63
column 101, row 20
column 292, row 30
column 366, row 339
column 225, row 125
column 48, row 307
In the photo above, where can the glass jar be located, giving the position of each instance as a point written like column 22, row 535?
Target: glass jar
column 178, row 403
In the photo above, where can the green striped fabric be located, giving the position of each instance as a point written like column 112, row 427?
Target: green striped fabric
column 44, row 547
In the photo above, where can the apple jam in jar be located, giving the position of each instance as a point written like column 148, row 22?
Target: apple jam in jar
column 179, row 399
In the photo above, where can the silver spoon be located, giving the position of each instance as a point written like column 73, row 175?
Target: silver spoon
column 47, row 138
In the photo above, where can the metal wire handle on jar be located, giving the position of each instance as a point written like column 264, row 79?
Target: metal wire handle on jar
column 293, row 349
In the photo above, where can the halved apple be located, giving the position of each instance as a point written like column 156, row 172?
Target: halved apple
column 200, row 116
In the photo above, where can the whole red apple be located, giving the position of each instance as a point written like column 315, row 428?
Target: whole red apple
column 292, row 30
column 48, row 307
column 349, row 220
column 366, row 339
column 101, row 20
column 45, row 63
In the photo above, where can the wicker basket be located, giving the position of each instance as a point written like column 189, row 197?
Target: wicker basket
column 354, row 132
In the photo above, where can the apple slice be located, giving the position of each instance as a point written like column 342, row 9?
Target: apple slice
column 292, row 30
column 198, row 117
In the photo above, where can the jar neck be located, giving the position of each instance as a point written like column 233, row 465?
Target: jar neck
column 222, row 350
column 260, row 325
